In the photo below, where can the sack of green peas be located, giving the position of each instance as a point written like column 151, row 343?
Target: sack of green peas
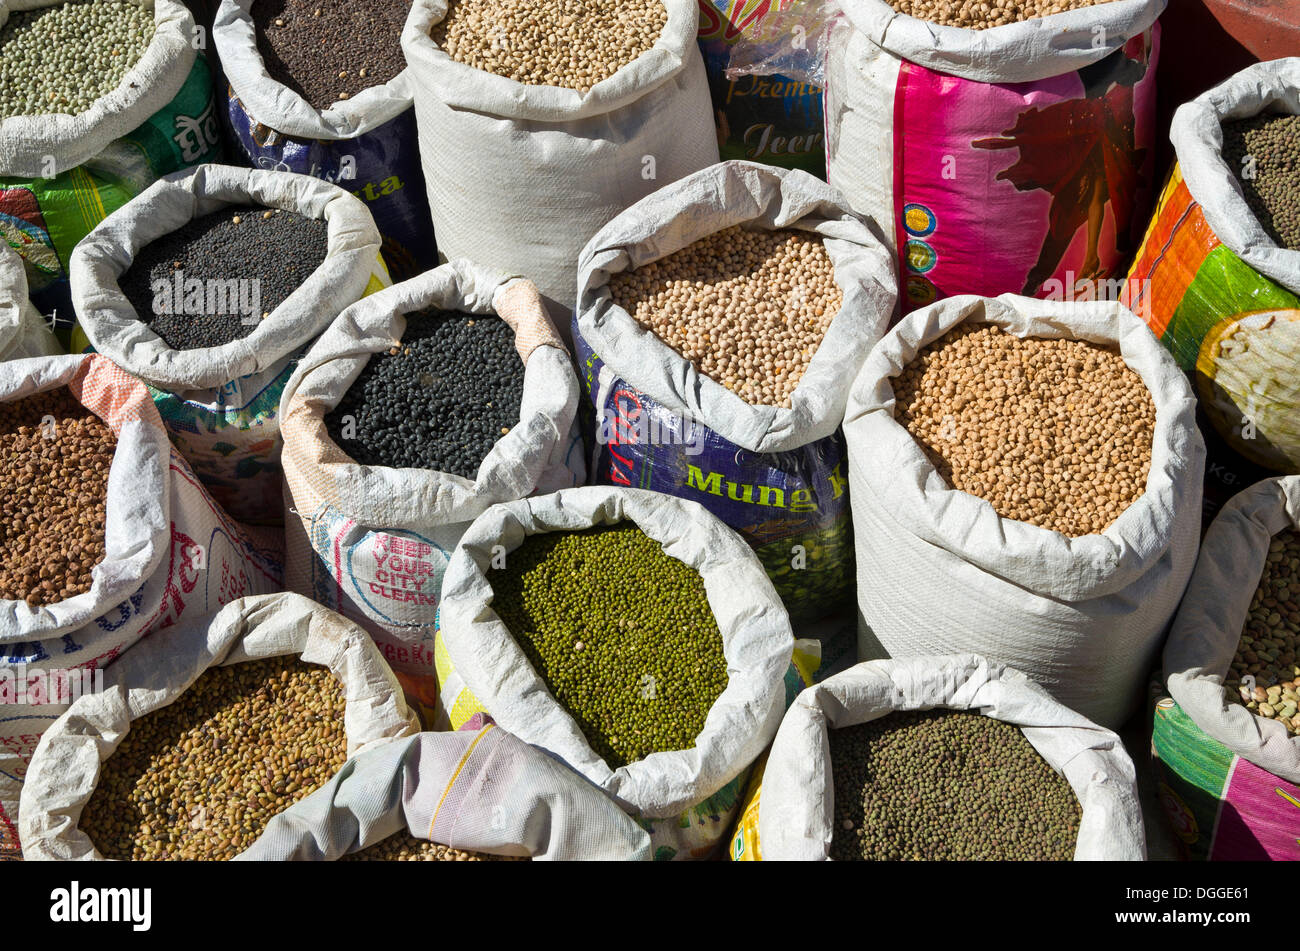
column 23, row 331
column 85, row 139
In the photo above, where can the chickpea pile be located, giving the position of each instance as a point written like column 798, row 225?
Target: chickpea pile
column 982, row 14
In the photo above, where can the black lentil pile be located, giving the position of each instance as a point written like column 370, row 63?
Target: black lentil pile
column 621, row 634
column 947, row 785
column 439, row 400
column 246, row 262
column 330, row 50
column 1264, row 153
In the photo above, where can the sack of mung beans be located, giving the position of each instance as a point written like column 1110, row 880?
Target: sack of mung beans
column 130, row 545
column 91, row 131
column 23, row 331
column 629, row 634
column 176, row 711
column 1010, row 158
column 747, row 426
column 323, row 90
column 420, row 407
column 1026, row 483
column 208, row 287
column 477, row 793
column 596, row 121
column 997, row 770
column 1227, row 737
column 1218, row 277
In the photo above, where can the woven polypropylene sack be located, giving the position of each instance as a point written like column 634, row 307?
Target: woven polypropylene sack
column 23, row 332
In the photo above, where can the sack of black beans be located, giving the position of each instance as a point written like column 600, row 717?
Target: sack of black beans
column 1218, row 277
column 23, row 331
column 419, row 408
column 1026, row 482
column 208, row 287
column 86, row 131
column 749, row 424
column 593, row 123
column 1227, row 737
column 325, row 91
column 129, row 545
column 271, row 694
column 478, row 794
column 959, row 758
column 631, row 635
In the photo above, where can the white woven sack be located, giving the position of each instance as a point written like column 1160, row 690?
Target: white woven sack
column 940, row 572
column 551, row 165
column 23, row 331
column 796, row 808
column 1208, row 627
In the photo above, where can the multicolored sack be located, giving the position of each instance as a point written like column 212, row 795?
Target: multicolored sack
column 60, row 175
column 777, row 476
column 221, row 404
column 172, row 554
column 366, row 144
column 23, row 331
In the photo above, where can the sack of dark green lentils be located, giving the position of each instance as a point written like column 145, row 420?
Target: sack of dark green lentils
column 476, row 792
column 170, row 553
column 23, row 331
column 372, row 541
column 939, row 570
column 778, row 476
column 794, row 808
column 68, row 764
column 365, row 143
column 687, row 798
column 221, row 403
column 552, row 164
column 1230, row 775
column 60, row 173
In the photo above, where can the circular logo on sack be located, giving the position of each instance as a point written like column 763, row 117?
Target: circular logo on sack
column 920, row 291
column 918, row 220
column 921, row 257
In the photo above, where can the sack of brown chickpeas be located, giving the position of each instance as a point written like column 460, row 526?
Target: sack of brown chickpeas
column 23, row 331
column 1026, row 482
column 207, row 730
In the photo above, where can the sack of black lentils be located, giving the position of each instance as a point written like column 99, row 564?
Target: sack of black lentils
column 941, row 758
column 128, row 772
column 1003, row 150
column 619, row 106
column 1227, row 738
column 478, row 794
column 23, row 331
column 420, row 407
column 631, row 635
column 1026, row 482
column 208, row 287
column 130, row 544
column 703, row 387
column 323, row 89
column 117, row 96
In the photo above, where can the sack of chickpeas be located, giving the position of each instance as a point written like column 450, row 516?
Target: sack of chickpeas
column 1227, row 737
column 323, row 90
column 205, row 731
column 564, row 135
column 632, row 636
column 423, row 405
column 705, row 383
column 108, row 537
column 208, row 287
column 23, row 331
column 941, row 758
column 478, row 794
column 1026, row 482
column 102, row 98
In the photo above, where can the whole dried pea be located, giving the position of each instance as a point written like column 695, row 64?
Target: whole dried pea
column 1264, row 153
column 404, row 847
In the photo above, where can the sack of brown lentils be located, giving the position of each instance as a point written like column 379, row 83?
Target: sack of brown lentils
column 631, row 635
column 996, row 770
column 421, row 406
column 1026, row 482
column 322, row 89
column 562, row 148
column 746, row 424
column 131, row 545
column 162, row 704
column 1227, row 739
column 208, row 287
column 84, row 131
column 23, row 331
column 478, row 794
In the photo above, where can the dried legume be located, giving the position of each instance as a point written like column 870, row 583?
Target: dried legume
column 982, row 14
column 404, row 847
column 1264, row 153
column 1269, row 648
